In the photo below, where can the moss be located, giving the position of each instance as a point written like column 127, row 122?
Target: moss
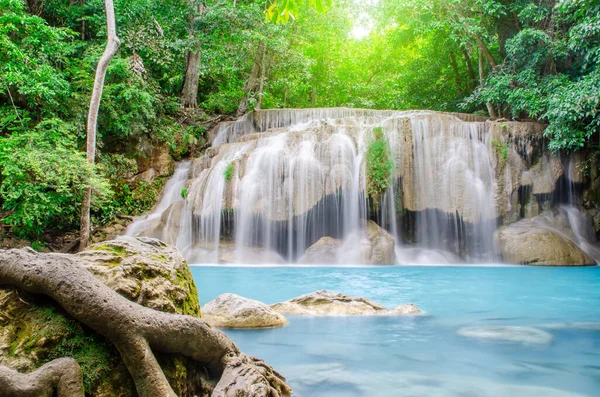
column 191, row 304
column 110, row 248
column 50, row 331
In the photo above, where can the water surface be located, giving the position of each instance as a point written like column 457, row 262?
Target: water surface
column 426, row 355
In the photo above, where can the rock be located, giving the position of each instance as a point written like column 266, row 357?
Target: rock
column 323, row 252
column 382, row 245
column 374, row 246
column 34, row 330
column 147, row 176
column 329, row 303
column 145, row 270
column 524, row 335
column 234, row 311
column 529, row 243
column 162, row 161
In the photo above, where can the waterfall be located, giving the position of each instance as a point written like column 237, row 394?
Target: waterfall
column 277, row 182
column 171, row 195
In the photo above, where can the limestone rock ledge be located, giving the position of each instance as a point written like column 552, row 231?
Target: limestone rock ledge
column 329, row 303
column 234, row 311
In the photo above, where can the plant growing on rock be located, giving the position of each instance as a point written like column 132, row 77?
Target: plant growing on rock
column 228, row 174
column 379, row 166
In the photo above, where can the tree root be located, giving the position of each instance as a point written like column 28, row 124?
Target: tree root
column 61, row 377
column 136, row 330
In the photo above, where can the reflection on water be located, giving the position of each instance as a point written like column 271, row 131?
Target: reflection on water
column 481, row 337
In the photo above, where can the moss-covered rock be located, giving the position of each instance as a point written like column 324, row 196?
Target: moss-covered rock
column 35, row 330
column 146, row 271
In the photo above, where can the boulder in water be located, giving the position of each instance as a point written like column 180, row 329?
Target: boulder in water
column 372, row 246
column 381, row 244
column 234, row 311
column 323, row 252
column 528, row 243
column 524, row 335
column 329, row 303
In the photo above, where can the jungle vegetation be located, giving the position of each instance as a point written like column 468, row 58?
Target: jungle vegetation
column 182, row 63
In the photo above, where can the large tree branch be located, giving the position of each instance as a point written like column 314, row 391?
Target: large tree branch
column 137, row 330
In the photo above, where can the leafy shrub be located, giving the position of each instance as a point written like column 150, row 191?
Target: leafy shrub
column 43, row 178
column 380, row 166
column 228, row 174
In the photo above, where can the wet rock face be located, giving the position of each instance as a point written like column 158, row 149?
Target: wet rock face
column 34, row 330
column 234, row 311
column 529, row 243
column 329, row 303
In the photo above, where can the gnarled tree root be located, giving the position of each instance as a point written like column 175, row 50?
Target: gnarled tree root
column 61, row 377
column 136, row 330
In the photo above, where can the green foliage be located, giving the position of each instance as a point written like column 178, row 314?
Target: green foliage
column 228, row 173
column 184, row 193
column 501, row 149
column 379, row 166
column 551, row 71
column 281, row 11
column 44, row 177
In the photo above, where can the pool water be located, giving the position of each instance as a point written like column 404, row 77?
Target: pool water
column 428, row 355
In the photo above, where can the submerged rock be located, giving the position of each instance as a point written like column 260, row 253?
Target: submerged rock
column 524, row 335
column 329, row 303
column 529, row 243
column 234, row 311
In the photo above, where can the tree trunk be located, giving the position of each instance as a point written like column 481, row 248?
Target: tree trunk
column 137, row 331
column 189, row 93
column 457, row 78
column 488, row 56
column 471, row 82
column 255, row 83
column 489, row 106
column 112, row 45
column 263, row 78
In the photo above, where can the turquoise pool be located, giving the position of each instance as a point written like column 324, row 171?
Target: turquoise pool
column 428, row 355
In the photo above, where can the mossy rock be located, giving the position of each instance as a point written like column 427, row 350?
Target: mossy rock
column 35, row 330
column 146, row 271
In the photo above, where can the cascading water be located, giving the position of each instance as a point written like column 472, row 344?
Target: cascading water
column 171, row 195
column 281, row 184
